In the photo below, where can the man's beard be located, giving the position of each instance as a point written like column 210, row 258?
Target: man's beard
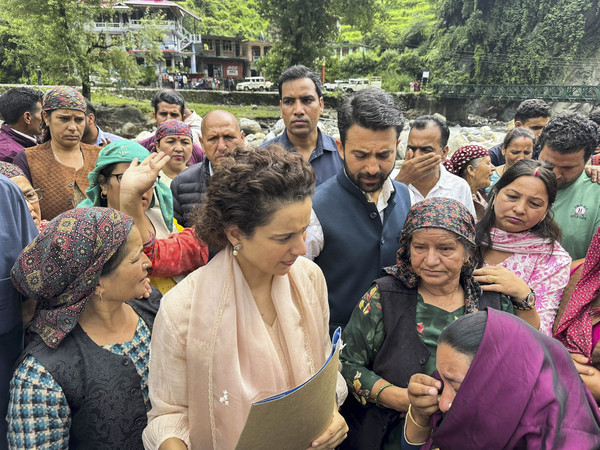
column 370, row 187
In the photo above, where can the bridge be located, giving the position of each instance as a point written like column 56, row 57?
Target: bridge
column 584, row 94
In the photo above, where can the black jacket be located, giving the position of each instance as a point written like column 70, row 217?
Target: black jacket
column 188, row 191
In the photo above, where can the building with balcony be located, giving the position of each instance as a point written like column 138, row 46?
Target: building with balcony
column 182, row 43
column 230, row 57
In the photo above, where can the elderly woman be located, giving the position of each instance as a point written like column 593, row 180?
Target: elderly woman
column 174, row 139
column 32, row 196
column 473, row 163
column 517, row 145
column 506, row 385
column 254, row 321
column 60, row 165
column 577, row 324
column 88, row 360
column 519, row 240
column 393, row 332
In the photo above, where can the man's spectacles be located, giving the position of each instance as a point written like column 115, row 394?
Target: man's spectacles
column 35, row 195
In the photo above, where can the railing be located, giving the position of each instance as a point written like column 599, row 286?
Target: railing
column 98, row 26
column 520, row 92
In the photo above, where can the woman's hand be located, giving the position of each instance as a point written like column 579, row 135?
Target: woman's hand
column 423, row 394
column 589, row 374
column 500, row 279
column 335, row 433
column 139, row 177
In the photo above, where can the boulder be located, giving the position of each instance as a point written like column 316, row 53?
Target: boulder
column 249, row 126
column 130, row 130
column 143, row 135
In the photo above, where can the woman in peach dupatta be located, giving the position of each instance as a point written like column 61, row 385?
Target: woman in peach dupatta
column 250, row 324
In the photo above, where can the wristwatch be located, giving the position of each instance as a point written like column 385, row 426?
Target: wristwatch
column 527, row 304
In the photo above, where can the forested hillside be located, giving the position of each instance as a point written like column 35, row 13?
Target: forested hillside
column 457, row 41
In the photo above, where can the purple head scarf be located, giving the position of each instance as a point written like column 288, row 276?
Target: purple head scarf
column 521, row 391
column 449, row 215
column 172, row 127
column 60, row 269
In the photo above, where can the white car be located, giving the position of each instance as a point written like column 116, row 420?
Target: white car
column 254, row 84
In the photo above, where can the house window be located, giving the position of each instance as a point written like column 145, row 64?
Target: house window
column 208, row 45
column 227, row 46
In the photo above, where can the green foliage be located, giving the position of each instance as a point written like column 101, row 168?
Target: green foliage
column 229, row 17
column 514, row 41
column 58, row 36
column 304, row 28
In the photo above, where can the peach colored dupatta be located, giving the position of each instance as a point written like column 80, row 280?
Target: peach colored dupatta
column 232, row 361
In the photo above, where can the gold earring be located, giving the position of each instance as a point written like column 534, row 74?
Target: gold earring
column 103, row 195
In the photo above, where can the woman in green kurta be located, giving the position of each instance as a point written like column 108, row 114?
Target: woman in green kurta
column 394, row 329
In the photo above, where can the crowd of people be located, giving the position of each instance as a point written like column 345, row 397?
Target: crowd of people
column 153, row 291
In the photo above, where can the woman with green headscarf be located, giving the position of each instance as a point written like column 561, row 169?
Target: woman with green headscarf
column 105, row 181
column 157, row 204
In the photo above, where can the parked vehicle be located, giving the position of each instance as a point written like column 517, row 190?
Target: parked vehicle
column 358, row 84
column 254, row 84
column 335, row 86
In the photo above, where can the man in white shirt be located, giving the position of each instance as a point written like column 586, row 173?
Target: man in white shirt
column 422, row 170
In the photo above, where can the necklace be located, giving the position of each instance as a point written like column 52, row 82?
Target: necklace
column 56, row 157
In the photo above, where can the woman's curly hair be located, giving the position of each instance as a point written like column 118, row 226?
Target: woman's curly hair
column 247, row 188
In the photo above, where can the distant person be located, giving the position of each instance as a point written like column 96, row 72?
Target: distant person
column 517, row 145
column 472, row 162
column 532, row 114
column 567, row 143
column 301, row 105
column 174, row 138
column 61, row 164
column 93, row 134
column 358, row 214
column 28, row 75
column 169, row 104
column 220, row 134
column 423, row 171
column 38, row 72
column 17, row 230
column 21, row 110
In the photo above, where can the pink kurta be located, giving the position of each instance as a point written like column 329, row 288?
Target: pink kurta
column 547, row 274
column 212, row 354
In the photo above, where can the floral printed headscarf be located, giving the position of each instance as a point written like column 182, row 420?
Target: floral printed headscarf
column 60, row 269
column 10, row 170
column 172, row 127
column 446, row 214
column 63, row 97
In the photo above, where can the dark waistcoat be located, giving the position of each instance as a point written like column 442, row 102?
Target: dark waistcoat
column 402, row 354
column 102, row 389
column 357, row 244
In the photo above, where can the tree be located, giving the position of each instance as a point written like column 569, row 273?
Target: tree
column 304, row 28
column 59, row 36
